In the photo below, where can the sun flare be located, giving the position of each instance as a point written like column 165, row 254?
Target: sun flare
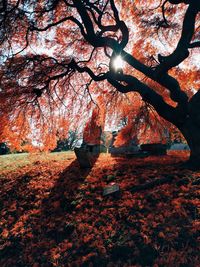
column 118, row 63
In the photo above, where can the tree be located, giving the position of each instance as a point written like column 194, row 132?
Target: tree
column 93, row 130
column 4, row 149
column 69, row 142
column 67, row 51
column 73, row 139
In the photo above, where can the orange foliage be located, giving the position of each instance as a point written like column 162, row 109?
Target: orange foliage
column 95, row 125
column 125, row 136
column 42, row 96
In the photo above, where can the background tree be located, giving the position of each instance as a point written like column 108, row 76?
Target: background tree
column 74, row 138
column 93, row 130
column 4, row 149
column 69, row 52
column 69, row 142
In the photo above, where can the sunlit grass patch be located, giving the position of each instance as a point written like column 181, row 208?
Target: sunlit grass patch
column 14, row 161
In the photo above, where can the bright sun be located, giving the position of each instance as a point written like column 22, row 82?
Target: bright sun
column 118, row 63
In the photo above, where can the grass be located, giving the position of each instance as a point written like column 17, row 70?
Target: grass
column 12, row 162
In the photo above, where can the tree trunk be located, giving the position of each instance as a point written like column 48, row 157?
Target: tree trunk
column 191, row 132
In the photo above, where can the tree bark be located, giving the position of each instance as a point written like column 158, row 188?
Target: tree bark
column 190, row 128
column 191, row 132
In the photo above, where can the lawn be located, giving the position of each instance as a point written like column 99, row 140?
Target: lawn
column 14, row 161
column 54, row 214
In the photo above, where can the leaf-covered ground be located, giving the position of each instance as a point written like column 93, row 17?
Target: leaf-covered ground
column 53, row 214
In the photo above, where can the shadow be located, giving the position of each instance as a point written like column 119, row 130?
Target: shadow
column 12, row 197
column 129, row 229
column 14, row 203
column 147, row 204
column 60, row 203
column 35, row 224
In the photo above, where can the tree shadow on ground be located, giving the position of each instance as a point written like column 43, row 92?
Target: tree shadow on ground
column 32, row 231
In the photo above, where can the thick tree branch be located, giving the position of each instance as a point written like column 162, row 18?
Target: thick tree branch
column 148, row 95
column 194, row 44
column 96, row 78
column 181, row 52
column 166, row 80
